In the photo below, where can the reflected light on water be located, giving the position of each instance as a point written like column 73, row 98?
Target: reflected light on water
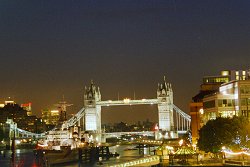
column 18, row 151
column 34, row 164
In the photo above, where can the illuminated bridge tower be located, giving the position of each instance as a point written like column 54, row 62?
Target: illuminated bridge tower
column 165, row 106
column 92, row 119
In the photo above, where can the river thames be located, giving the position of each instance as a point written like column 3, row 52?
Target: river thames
column 26, row 157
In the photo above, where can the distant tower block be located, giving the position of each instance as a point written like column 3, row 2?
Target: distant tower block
column 165, row 106
column 62, row 106
column 92, row 112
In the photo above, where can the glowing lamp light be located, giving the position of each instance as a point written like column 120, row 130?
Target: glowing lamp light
column 236, row 153
column 156, row 127
column 201, row 111
column 126, row 100
column 181, row 142
column 42, row 145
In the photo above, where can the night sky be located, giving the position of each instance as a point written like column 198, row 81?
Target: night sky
column 55, row 47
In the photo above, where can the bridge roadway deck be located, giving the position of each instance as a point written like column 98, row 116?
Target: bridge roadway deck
column 127, row 102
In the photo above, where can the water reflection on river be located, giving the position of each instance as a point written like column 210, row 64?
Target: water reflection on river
column 23, row 157
column 125, row 152
column 26, row 158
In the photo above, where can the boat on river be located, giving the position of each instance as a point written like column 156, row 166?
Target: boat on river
column 60, row 146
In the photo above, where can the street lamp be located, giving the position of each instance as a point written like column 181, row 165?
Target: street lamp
column 201, row 111
column 247, row 107
column 223, row 152
column 181, row 142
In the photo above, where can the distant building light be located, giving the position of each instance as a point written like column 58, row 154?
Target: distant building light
column 2, row 105
column 9, row 102
column 224, row 73
column 26, row 105
column 54, row 111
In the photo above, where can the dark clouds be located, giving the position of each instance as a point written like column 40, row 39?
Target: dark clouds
column 51, row 48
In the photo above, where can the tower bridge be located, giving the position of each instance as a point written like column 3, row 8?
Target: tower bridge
column 164, row 101
column 171, row 119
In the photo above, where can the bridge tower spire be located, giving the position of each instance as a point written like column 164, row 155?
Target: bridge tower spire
column 92, row 119
column 165, row 106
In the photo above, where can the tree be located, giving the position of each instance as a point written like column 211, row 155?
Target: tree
column 241, row 131
column 230, row 132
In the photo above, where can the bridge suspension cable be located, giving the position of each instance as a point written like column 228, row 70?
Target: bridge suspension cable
column 25, row 133
column 73, row 120
column 183, row 119
column 186, row 116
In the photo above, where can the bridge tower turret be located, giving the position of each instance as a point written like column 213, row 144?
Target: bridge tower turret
column 165, row 106
column 92, row 119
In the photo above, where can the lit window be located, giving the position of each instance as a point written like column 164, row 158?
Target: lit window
column 225, row 73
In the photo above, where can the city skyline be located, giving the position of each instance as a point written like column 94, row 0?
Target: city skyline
column 50, row 49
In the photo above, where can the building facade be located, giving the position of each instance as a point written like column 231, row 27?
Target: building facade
column 27, row 107
column 223, row 95
column 50, row 117
column 232, row 99
column 196, row 113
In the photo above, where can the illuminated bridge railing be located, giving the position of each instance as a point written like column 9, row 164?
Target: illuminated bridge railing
column 146, row 161
column 127, row 102
column 27, row 134
column 149, row 142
